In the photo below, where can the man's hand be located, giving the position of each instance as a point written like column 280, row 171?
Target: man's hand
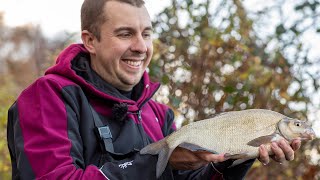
column 184, row 159
column 282, row 151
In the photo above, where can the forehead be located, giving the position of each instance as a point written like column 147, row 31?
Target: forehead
column 120, row 14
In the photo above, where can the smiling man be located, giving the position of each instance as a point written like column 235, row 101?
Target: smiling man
column 92, row 112
column 123, row 50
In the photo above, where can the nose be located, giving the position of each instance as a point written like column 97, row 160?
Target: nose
column 139, row 45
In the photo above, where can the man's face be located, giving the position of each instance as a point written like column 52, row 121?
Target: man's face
column 125, row 47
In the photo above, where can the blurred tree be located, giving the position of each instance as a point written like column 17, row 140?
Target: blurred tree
column 212, row 59
column 27, row 53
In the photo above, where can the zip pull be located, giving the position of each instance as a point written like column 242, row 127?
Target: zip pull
column 139, row 115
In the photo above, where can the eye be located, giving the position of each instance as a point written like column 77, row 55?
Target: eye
column 297, row 124
column 125, row 35
column 146, row 35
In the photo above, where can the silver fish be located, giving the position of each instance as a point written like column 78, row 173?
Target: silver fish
column 237, row 133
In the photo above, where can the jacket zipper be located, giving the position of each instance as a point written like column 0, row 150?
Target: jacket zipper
column 141, row 129
column 140, row 126
column 139, row 116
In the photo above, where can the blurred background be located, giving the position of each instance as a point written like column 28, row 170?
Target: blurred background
column 211, row 56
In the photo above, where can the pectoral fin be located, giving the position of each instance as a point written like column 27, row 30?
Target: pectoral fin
column 236, row 156
column 261, row 140
column 194, row 147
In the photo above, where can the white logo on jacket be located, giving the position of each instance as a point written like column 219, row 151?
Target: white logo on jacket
column 126, row 164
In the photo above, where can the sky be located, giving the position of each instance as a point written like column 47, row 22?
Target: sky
column 54, row 15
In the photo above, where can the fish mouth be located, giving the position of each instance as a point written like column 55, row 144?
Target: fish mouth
column 309, row 134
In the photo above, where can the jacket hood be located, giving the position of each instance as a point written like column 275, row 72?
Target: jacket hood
column 63, row 67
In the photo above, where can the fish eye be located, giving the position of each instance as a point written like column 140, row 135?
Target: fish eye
column 297, row 124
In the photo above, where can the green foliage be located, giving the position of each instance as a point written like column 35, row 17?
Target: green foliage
column 7, row 95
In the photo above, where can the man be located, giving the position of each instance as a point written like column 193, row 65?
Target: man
column 92, row 112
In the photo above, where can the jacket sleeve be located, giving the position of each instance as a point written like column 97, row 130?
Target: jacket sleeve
column 238, row 171
column 38, row 136
column 206, row 172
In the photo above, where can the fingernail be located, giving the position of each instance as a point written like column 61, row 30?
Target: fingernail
column 274, row 145
column 291, row 158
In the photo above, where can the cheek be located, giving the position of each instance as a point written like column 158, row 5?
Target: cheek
column 150, row 49
column 296, row 130
column 117, row 50
column 115, row 47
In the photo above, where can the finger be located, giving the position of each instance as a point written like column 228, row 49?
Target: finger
column 185, row 159
column 184, row 155
column 193, row 165
column 279, row 155
column 287, row 150
column 296, row 144
column 263, row 155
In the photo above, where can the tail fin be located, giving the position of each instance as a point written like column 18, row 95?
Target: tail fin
column 161, row 148
column 154, row 148
column 163, row 159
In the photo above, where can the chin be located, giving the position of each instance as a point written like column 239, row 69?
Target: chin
column 132, row 80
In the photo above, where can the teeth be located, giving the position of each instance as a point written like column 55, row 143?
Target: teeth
column 134, row 63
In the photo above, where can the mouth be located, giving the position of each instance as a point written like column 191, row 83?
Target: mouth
column 133, row 63
column 309, row 135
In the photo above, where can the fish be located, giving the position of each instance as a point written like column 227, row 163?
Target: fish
column 237, row 134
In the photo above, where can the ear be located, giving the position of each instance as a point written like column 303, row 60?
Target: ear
column 88, row 41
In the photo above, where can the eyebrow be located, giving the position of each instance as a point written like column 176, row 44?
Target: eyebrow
column 125, row 28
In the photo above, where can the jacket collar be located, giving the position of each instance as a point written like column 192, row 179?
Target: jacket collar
column 74, row 64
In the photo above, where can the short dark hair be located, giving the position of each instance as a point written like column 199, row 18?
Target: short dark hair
column 93, row 16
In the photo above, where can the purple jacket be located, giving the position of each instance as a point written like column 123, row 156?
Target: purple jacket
column 51, row 128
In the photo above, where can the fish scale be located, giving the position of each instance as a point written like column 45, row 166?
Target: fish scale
column 238, row 133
